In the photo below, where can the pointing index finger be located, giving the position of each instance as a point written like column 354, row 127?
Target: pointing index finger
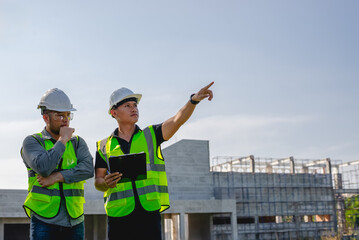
column 208, row 86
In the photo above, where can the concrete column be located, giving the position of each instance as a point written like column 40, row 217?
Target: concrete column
column 167, row 226
column 183, row 226
column 256, row 222
column 252, row 165
column 95, row 227
column 328, row 166
column 292, row 166
column 341, row 215
column 211, row 228
column 234, row 225
column 175, row 228
column 171, row 226
column 1, row 229
column 338, row 181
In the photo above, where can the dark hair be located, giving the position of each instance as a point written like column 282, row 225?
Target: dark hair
column 124, row 101
column 44, row 110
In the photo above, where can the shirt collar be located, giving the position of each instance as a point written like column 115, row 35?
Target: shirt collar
column 46, row 134
column 137, row 129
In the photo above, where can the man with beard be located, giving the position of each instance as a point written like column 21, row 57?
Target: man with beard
column 57, row 162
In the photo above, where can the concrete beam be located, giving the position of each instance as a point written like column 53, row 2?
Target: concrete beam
column 348, row 163
column 236, row 161
column 94, row 207
column 346, row 191
column 316, row 163
column 280, row 161
column 202, row 206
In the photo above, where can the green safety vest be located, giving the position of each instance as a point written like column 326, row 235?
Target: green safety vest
column 152, row 191
column 45, row 201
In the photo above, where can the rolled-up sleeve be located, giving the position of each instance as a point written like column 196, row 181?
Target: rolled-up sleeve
column 38, row 159
column 84, row 168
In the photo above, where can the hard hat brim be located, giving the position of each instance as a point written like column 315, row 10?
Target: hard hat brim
column 58, row 110
column 136, row 95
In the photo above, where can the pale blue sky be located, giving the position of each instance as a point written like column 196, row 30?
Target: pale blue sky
column 286, row 72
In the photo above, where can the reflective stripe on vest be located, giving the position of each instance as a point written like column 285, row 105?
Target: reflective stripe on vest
column 56, row 192
column 152, row 188
column 156, row 167
column 121, row 195
column 152, row 166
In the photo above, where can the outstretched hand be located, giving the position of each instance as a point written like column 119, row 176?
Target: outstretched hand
column 204, row 93
column 171, row 125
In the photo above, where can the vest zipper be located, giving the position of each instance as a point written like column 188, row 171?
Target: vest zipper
column 61, row 184
column 59, row 169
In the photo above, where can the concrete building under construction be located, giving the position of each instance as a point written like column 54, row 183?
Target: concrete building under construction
column 226, row 198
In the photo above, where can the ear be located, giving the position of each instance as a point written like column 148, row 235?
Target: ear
column 113, row 113
column 46, row 118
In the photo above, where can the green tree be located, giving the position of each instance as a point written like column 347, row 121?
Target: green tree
column 352, row 211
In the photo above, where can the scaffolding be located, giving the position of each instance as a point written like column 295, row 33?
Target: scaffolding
column 349, row 173
column 283, row 198
column 346, row 185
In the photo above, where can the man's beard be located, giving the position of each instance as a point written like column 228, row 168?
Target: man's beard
column 53, row 129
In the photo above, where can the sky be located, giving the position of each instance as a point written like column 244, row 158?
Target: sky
column 286, row 73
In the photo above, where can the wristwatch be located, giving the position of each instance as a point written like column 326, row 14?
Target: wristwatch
column 192, row 101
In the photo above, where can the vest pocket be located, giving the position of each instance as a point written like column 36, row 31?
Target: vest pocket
column 75, row 206
column 41, row 197
column 76, row 200
column 152, row 196
column 116, row 203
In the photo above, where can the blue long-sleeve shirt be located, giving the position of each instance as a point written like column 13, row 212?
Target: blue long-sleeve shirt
column 45, row 162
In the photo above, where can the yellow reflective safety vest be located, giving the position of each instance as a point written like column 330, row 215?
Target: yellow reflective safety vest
column 152, row 191
column 45, row 201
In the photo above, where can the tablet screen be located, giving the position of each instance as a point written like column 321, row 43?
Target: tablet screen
column 132, row 166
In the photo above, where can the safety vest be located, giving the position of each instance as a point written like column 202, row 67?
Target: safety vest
column 152, row 191
column 45, row 201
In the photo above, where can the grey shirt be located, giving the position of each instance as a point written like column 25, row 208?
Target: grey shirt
column 45, row 162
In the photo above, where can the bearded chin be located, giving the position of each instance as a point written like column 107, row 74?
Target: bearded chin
column 55, row 131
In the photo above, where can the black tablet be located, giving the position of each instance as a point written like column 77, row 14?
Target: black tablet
column 132, row 166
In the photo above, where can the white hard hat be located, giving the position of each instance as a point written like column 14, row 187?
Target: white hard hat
column 121, row 94
column 56, row 100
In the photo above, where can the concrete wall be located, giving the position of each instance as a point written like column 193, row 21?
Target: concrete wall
column 280, row 197
column 190, row 186
column 11, row 202
column 188, row 171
